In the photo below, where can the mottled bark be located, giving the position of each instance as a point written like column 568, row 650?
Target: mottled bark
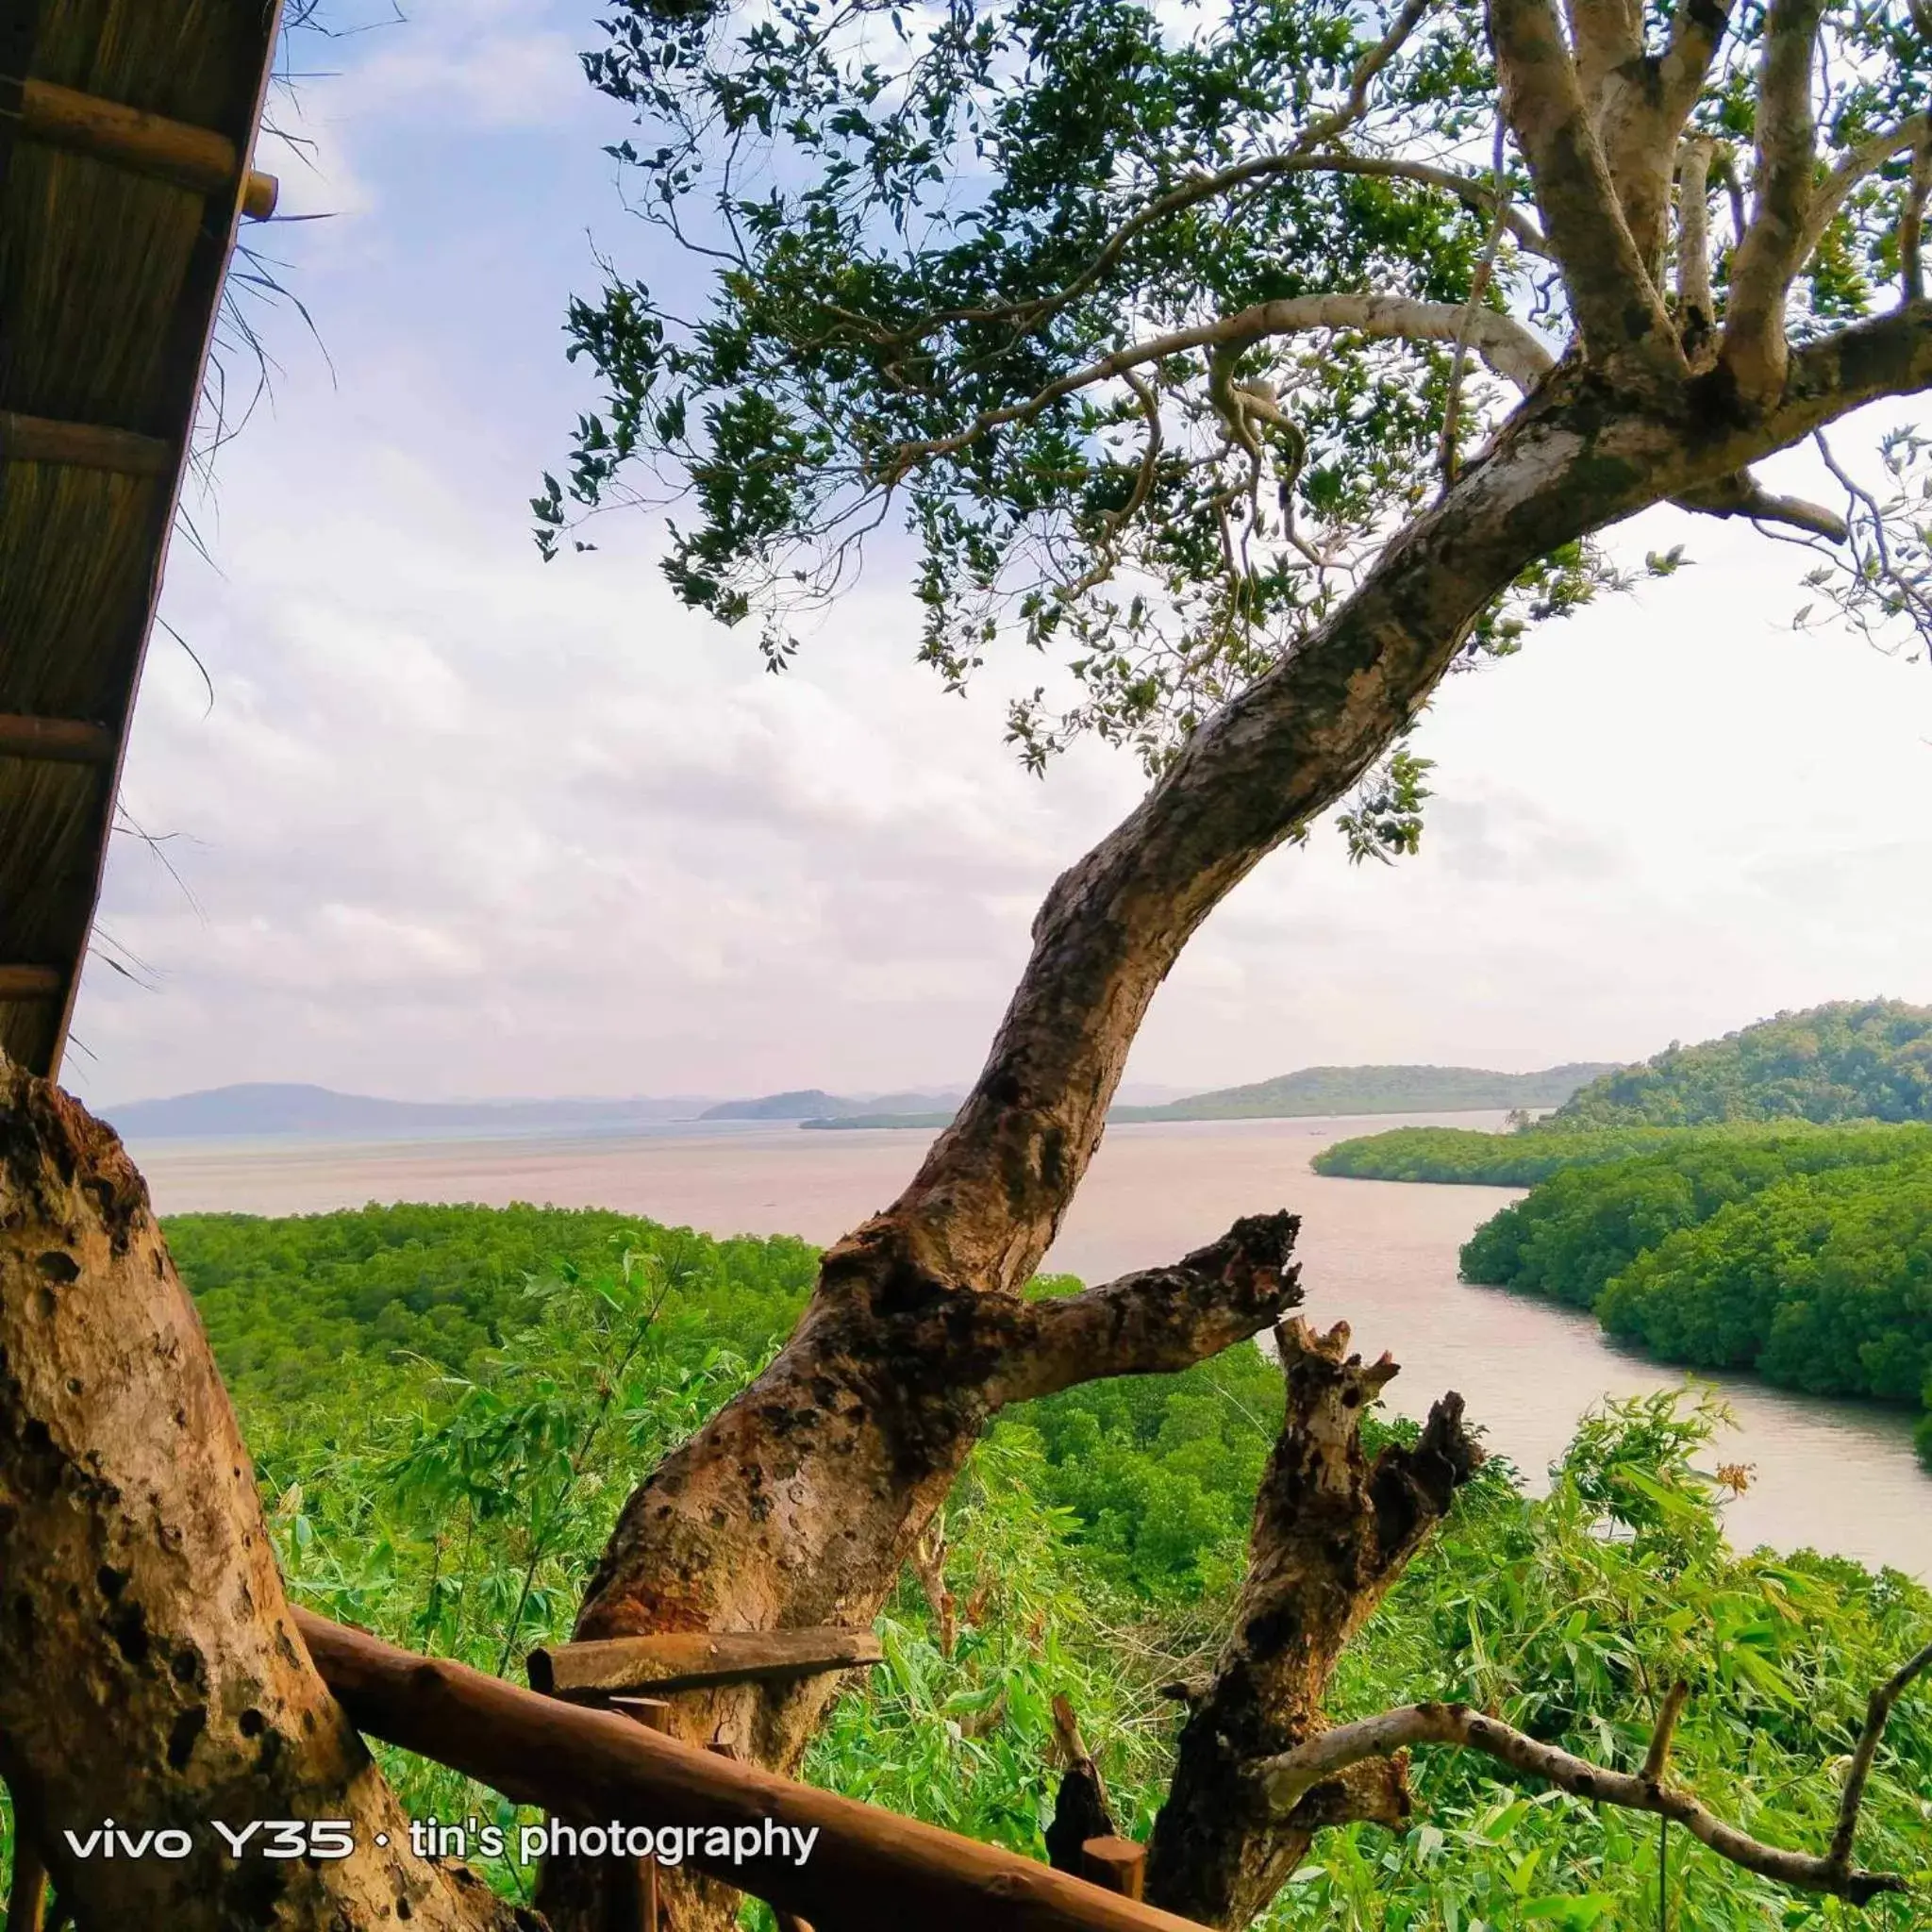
column 149, row 1672
column 798, row 1502
column 1754, row 353
column 1332, row 1533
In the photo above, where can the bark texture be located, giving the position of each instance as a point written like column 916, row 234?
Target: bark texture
column 1332, row 1532
column 798, row 1504
column 149, row 1669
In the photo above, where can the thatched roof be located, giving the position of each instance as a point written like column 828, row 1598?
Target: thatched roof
column 125, row 128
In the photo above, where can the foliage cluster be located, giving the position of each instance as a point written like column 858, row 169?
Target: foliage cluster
column 1807, row 1257
column 1850, row 1060
column 1094, row 1546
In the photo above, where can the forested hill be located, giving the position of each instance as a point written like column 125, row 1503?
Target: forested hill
column 1869, row 1059
column 1374, row 1090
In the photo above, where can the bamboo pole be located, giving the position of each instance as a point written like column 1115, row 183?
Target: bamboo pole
column 83, row 446
column 56, row 740
column 868, row 1871
column 194, row 158
column 30, row 982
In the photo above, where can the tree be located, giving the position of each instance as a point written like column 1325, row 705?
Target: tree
column 1264, row 368
column 1266, row 371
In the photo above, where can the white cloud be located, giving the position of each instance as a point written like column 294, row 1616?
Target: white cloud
column 461, row 822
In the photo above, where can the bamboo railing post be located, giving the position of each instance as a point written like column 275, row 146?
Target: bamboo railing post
column 26, row 1900
column 1118, row 1864
column 868, row 1869
column 637, row 1903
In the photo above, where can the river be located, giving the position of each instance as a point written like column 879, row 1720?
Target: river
column 1380, row 1255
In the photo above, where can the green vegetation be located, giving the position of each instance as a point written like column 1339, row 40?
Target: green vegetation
column 1807, row 1257
column 1869, row 1059
column 1842, row 1063
column 1496, row 1160
column 447, row 1406
column 1372, row 1089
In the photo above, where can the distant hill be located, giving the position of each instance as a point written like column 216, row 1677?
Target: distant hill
column 1374, row 1090
column 815, row 1105
column 1312, row 1091
column 1868, row 1060
column 256, row 1108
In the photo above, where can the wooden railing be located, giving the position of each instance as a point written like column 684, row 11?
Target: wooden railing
column 870, row 1870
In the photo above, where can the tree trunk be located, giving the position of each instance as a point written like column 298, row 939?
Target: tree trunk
column 800, row 1501
column 151, row 1679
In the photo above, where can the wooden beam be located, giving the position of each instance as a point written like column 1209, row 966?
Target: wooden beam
column 696, row 1660
column 194, row 158
column 84, row 445
column 56, row 740
column 31, row 982
column 868, row 1869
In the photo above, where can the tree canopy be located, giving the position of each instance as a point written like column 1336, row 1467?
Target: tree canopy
column 1152, row 327
column 1850, row 1059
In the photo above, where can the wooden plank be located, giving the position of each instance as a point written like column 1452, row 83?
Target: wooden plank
column 192, row 158
column 1116, row 1864
column 84, row 445
column 56, row 740
column 694, row 1659
column 869, row 1870
column 31, row 982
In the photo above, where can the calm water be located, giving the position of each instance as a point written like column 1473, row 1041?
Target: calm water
column 1379, row 1255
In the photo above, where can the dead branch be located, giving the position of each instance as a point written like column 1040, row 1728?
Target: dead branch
column 1332, row 1533
column 1773, row 250
column 929, row 1563
column 1081, row 1810
column 1157, row 1320
column 1291, row 1777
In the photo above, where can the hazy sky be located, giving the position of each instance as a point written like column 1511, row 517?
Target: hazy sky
column 459, row 822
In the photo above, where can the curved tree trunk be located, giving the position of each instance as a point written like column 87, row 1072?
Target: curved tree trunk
column 799, row 1502
column 150, row 1673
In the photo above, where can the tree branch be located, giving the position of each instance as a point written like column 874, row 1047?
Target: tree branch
column 1858, row 166
column 1332, row 1532
column 1606, row 35
column 1509, row 348
column 1773, row 250
column 1877, row 1713
column 1157, row 1321
column 1889, row 355
column 1619, row 311
column 1911, row 224
column 1289, row 1778
column 1696, row 305
column 1742, row 495
column 1696, row 33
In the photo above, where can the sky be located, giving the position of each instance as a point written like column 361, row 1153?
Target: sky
column 423, row 816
